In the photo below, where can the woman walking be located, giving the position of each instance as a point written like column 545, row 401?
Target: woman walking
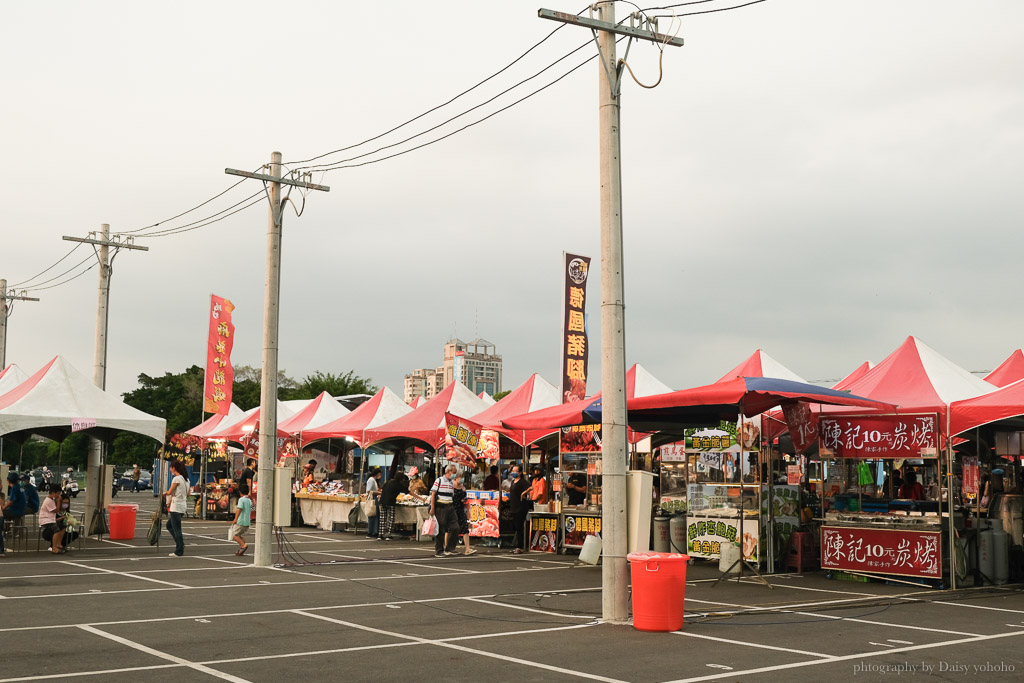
column 177, row 499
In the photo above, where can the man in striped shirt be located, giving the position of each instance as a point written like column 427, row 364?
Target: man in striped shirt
column 441, row 507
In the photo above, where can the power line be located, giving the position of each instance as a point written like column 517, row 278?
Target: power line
column 49, row 268
column 183, row 213
column 344, row 164
column 57, row 277
column 457, row 116
column 70, row 279
column 443, row 104
column 204, row 222
column 707, row 11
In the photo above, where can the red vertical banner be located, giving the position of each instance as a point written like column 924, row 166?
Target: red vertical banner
column 803, row 425
column 575, row 346
column 220, row 376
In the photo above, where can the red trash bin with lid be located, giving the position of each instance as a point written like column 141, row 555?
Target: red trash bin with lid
column 659, row 587
column 122, row 521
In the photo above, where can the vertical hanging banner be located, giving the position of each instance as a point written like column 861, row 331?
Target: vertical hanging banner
column 461, row 439
column 803, row 425
column 220, row 376
column 575, row 347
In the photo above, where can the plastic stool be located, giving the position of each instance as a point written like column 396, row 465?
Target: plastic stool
column 802, row 553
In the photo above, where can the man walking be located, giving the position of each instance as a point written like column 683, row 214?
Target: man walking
column 136, row 475
column 441, row 508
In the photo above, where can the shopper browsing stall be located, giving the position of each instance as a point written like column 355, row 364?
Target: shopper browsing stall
column 372, row 494
column 443, row 510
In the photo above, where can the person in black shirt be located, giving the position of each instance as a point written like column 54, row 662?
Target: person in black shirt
column 248, row 474
column 520, row 507
column 389, row 499
column 576, row 487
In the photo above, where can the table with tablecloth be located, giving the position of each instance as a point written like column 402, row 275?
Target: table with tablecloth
column 324, row 511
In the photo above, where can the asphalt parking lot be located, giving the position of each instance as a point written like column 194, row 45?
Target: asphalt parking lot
column 370, row 610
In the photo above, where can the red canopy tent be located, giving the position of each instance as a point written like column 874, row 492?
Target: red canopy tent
column 981, row 410
column 533, row 394
column 384, row 407
column 427, row 423
column 1011, row 370
column 236, row 430
column 774, row 425
column 861, row 370
column 918, row 379
column 639, row 382
column 217, row 421
column 416, row 402
column 760, row 364
column 320, row 411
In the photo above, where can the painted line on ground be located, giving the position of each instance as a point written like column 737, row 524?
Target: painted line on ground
column 126, row 574
column 994, row 609
column 806, row 653
column 101, row 672
column 163, row 655
column 532, row 609
column 464, row 651
column 841, row 658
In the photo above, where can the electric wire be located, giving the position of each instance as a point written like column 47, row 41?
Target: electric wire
column 36, row 287
column 25, row 282
column 449, row 120
column 209, row 220
column 70, row 279
column 344, row 162
column 707, row 11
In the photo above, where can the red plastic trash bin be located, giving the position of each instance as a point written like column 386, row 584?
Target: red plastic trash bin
column 122, row 521
column 659, row 586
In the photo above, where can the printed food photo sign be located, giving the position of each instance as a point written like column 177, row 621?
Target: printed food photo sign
column 482, row 512
column 543, row 533
column 705, row 536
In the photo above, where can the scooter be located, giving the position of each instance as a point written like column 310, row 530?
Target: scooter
column 71, row 487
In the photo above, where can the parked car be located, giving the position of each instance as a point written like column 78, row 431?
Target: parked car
column 126, row 482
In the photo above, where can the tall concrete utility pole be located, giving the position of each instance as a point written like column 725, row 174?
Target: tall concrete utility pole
column 5, row 313
column 99, row 363
column 614, row 528
column 268, row 380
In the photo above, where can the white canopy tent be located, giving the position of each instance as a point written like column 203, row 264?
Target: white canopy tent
column 58, row 399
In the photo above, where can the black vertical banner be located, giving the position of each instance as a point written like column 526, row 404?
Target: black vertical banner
column 575, row 346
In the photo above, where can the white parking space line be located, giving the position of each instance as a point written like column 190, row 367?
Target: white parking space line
column 464, row 651
column 841, row 658
column 532, row 609
column 806, row 653
column 102, row 672
column 994, row 609
column 126, row 574
column 163, row 655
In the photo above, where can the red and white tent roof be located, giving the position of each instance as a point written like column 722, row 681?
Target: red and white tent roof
column 320, row 411
column 250, row 418
column 533, row 394
column 10, row 377
column 853, row 376
column 981, row 410
column 1011, row 370
column 916, row 377
column 427, row 423
column 760, row 364
column 416, row 402
column 486, row 398
column 48, row 402
column 384, row 407
column 216, row 421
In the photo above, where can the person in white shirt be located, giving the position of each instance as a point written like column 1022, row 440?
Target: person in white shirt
column 177, row 499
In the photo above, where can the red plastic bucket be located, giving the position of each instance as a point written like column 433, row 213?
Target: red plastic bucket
column 122, row 521
column 659, row 586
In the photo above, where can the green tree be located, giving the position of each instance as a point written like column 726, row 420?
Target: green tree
column 501, row 394
column 341, row 384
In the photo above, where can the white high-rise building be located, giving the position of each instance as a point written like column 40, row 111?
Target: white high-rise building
column 476, row 364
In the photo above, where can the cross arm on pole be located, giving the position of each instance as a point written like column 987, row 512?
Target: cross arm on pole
column 621, row 29
column 17, row 297
column 106, row 243
column 275, row 179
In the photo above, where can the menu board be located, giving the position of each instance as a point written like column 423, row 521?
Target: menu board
column 482, row 512
column 578, row 527
column 543, row 533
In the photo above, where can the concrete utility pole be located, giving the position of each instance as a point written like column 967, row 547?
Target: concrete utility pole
column 99, row 364
column 614, row 528
column 5, row 313
column 268, row 380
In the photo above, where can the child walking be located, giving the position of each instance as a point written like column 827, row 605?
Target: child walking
column 242, row 520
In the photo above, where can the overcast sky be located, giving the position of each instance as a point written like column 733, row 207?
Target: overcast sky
column 815, row 179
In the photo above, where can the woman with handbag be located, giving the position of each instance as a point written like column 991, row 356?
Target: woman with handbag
column 370, row 504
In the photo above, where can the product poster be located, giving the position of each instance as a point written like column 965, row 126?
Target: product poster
column 578, row 527
column 482, row 512
column 705, row 536
column 543, row 533
column 581, row 438
column 461, row 439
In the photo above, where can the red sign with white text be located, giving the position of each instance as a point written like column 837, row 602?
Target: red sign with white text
column 878, row 436
column 802, row 423
column 220, row 376
column 970, row 475
column 882, row 551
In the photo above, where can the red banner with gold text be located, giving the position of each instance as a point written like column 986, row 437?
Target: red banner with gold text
column 219, row 374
